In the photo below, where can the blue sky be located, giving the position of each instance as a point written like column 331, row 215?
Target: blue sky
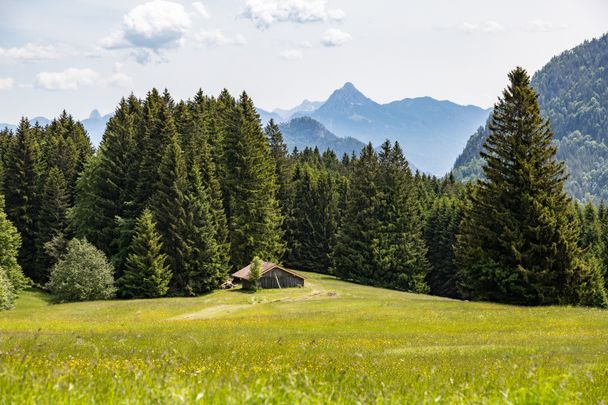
column 86, row 54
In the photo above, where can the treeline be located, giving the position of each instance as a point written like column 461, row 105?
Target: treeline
column 180, row 194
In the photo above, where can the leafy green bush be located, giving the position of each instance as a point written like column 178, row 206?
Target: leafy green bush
column 12, row 279
column 83, row 274
column 7, row 292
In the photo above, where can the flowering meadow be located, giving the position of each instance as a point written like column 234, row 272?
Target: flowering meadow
column 329, row 342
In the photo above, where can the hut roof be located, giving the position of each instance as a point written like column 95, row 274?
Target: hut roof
column 245, row 272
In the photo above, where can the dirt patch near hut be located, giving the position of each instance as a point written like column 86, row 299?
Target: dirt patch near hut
column 314, row 295
column 211, row 312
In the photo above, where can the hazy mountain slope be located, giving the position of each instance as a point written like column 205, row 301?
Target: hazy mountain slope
column 266, row 116
column 305, row 131
column 573, row 94
column 305, row 106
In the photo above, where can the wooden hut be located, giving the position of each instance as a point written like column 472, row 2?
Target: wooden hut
column 271, row 276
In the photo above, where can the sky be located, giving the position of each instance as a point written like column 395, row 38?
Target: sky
column 87, row 54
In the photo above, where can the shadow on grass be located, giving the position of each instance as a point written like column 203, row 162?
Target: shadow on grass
column 241, row 290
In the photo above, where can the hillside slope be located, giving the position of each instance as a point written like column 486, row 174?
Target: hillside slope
column 329, row 342
column 573, row 94
column 305, row 132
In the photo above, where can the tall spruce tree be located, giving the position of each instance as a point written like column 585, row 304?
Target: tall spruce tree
column 313, row 223
column 168, row 205
column 399, row 249
column 440, row 232
column 66, row 146
column 52, row 220
column 518, row 241
column 254, row 218
column 207, row 262
column 278, row 154
column 353, row 257
column 106, row 189
column 146, row 275
column 22, row 181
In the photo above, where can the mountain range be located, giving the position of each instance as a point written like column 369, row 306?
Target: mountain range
column 420, row 125
column 95, row 125
column 573, row 94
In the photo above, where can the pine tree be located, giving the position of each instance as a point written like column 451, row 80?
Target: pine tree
column 22, row 179
column 152, row 137
column 278, row 154
column 207, row 261
column 146, row 275
column 518, row 242
column 106, row 189
column 353, row 257
column 52, row 218
column 440, row 232
column 66, row 146
column 168, row 205
column 312, row 225
column 398, row 249
column 254, row 219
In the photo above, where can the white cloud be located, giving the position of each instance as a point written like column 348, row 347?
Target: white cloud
column 201, row 10
column 305, row 44
column 292, row 54
column 217, row 37
column 264, row 13
column 31, row 52
column 544, row 26
column 6, row 83
column 74, row 78
column 150, row 28
column 335, row 37
column 489, row 26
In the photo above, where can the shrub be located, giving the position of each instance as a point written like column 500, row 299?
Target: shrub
column 82, row 274
column 255, row 273
column 7, row 292
column 12, row 279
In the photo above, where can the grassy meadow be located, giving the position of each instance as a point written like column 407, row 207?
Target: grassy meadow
column 330, row 342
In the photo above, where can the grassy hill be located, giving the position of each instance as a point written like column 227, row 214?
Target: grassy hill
column 328, row 342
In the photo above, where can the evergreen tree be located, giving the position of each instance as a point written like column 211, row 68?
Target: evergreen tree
column 518, row 243
column 254, row 219
column 156, row 131
column 22, row 179
column 399, row 250
column 66, row 146
column 440, row 235
column 207, row 261
column 52, row 218
column 106, row 189
column 278, row 154
column 353, row 257
column 168, row 205
column 146, row 275
column 312, row 225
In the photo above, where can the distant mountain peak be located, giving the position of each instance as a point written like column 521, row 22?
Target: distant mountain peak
column 95, row 115
column 348, row 95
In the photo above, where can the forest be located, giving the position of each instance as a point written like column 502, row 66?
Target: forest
column 181, row 193
column 573, row 95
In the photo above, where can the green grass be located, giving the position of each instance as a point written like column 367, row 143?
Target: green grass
column 330, row 342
